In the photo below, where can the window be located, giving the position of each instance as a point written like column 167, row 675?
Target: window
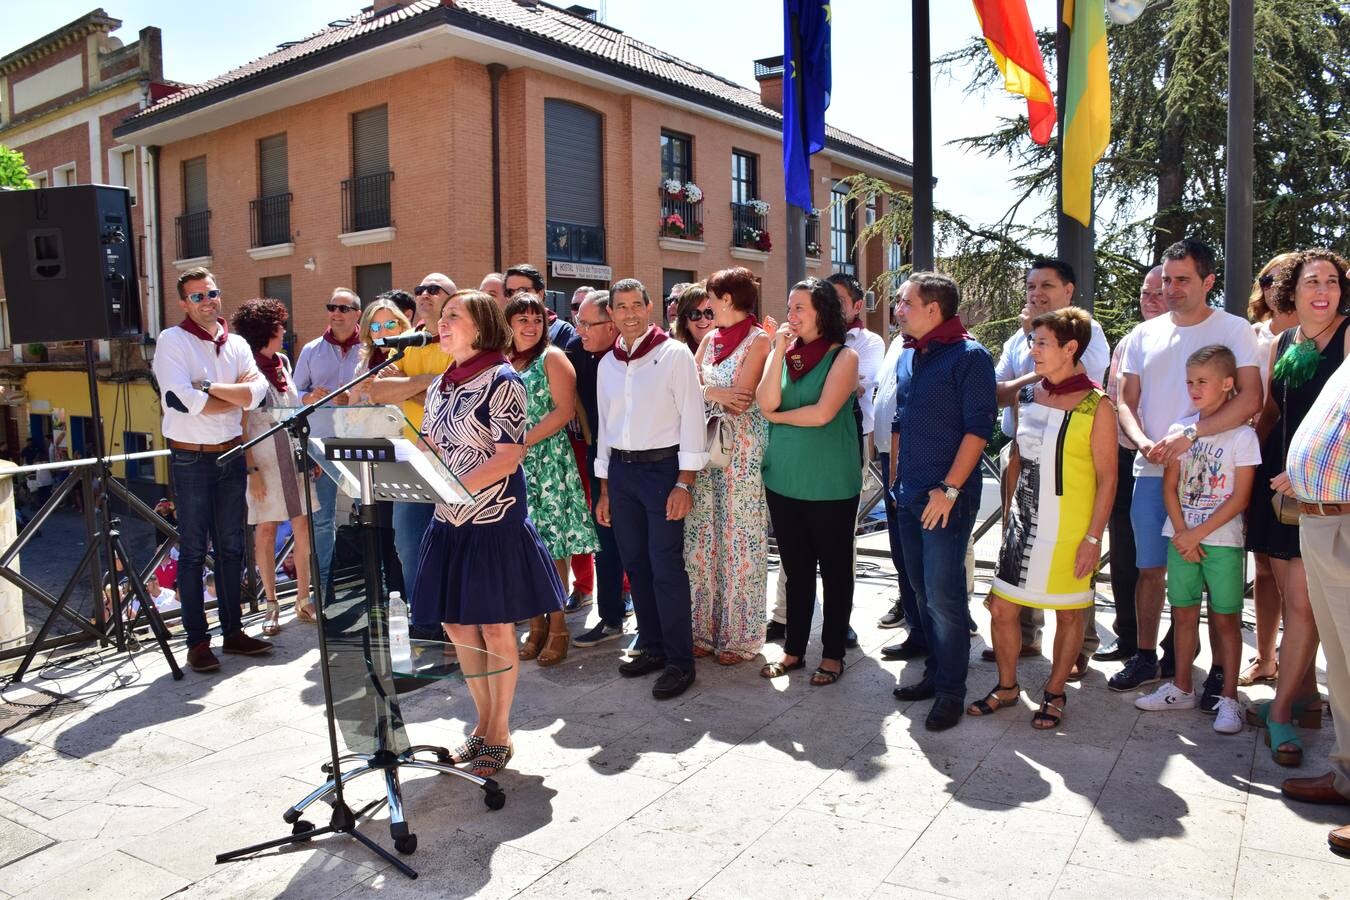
column 670, row 278
column 278, row 287
column 64, row 176
column 138, row 469
column 574, row 196
column 677, row 158
column 371, row 281
column 366, row 195
column 271, row 219
column 39, row 179
column 194, row 225
column 194, row 185
column 843, row 231
column 744, row 176
column 122, row 169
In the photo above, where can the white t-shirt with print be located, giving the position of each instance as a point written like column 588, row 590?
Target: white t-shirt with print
column 1208, row 475
column 1157, row 353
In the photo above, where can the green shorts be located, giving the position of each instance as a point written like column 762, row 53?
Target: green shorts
column 1221, row 570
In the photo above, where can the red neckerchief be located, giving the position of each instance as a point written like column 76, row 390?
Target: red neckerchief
column 726, row 340
column 272, row 370
column 802, row 358
column 949, row 332
column 346, row 345
column 1074, row 383
column 196, row 330
column 462, row 372
column 646, row 344
column 377, row 356
column 856, row 323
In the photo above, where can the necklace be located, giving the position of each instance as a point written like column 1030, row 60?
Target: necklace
column 1298, row 365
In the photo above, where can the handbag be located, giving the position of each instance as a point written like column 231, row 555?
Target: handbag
column 719, row 443
column 1286, row 508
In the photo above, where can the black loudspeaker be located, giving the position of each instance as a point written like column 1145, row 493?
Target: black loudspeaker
column 69, row 258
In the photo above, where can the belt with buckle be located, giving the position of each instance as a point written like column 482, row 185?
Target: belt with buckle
column 646, row 456
column 204, row 448
column 1324, row 509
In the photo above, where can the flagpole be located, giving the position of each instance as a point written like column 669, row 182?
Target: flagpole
column 922, row 239
column 1237, row 232
column 796, row 216
column 1075, row 243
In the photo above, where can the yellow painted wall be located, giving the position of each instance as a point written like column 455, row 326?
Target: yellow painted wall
column 135, row 410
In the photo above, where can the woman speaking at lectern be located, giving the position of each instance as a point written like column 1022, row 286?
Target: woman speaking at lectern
column 483, row 565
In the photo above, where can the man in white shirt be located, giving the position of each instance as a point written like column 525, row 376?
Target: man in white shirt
column 1050, row 286
column 892, row 387
column 649, row 449
column 1153, row 396
column 206, row 377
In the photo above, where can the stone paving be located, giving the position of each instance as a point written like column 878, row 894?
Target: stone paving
column 739, row 788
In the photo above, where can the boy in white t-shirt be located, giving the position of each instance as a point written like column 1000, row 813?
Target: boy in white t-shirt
column 1205, row 492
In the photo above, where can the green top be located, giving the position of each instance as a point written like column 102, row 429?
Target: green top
column 822, row 463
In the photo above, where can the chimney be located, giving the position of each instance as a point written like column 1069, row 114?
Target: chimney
column 380, row 7
column 769, row 74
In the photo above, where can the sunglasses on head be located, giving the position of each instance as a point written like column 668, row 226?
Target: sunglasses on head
column 696, row 314
column 1266, row 280
column 338, row 307
column 434, row 290
column 199, row 296
column 375, row 327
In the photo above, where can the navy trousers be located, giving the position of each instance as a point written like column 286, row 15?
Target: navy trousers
column 608, row 565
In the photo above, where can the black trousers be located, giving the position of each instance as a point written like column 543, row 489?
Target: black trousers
column 1124, row 572
column 811, row 533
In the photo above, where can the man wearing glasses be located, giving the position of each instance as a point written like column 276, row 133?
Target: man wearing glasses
column 206, row 378
column 325, row 364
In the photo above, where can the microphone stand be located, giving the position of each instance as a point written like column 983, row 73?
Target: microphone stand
column 343, row 820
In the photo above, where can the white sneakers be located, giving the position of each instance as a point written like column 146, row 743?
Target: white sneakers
column 1228, row 718
column 1167, row 697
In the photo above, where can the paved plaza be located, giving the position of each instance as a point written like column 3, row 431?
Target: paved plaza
column 739, row 788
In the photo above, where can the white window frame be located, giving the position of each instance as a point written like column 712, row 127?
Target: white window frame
column 39, row 179
column 117, row 168
column 59, row 171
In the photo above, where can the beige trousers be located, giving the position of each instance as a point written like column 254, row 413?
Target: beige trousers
column 1325, row 543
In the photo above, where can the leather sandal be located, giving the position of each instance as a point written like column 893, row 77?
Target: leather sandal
column 534, row 641
column 1286, row 748
column 272, row 624
column 727, row 658
column 780, row 668
column 492, row 758
column 1050, row 713
column 304, row 612
column 1307, row 713
column 557, row 642
column 992, row 702
column 823, row 676
column 469, row 750
column 1250, row 674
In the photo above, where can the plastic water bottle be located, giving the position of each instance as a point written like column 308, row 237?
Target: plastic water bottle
column 400, row 649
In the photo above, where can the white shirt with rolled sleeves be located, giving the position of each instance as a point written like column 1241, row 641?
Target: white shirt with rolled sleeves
column 1015, row 361
column 182, row 360
column 654, row 401
column 888, row 383
column 871, row 348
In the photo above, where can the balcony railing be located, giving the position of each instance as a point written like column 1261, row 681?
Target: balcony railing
column 813, row 236
column 270, row 220
column 365, row 202
column 576, row 243
column 681, row 218
column 194, row 234
column 749, row 229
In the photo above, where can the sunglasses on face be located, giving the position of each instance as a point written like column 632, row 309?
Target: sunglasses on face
column 1266, row 280
column 199, row 296
column 434, row 290
column 338, row 307
column 375, row 327
column 695, row 315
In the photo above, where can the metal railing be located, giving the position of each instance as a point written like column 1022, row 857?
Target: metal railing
column 577, row 243
column 366, row 202
column 269, row 220
column 194, row 234
column 681, row 218
column 813, row 236
column 747, row 226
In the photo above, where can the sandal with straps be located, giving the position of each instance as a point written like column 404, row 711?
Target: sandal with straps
column 1050, row 713
column 492, row 758
column 272, row 624
column 992, row 702
column 823, row 676
column 304, row 612
column 469, row 750
column 534, row 641
column 1251, row 675
column 1280, row 735
column 780, row 668
column 1307, row 713
column 555, row 646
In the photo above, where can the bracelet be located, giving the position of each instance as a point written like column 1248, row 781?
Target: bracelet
column 687, row 488
column 1094, row 541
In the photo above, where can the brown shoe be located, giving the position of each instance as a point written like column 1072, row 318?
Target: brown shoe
column 1080, row 668
column 201, row 659
column 244, row 645
column 1339, row 841
column 1027, row 650
column 1314, row 790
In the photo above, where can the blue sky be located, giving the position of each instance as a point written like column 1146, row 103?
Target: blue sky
column 871, row 60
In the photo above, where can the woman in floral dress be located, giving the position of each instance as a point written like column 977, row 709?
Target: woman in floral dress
column 726, row 546
column 554, row 496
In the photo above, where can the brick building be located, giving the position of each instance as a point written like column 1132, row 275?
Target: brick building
column 61, row 97
column 466, row 135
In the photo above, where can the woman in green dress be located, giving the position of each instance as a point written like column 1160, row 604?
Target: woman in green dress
column 557, row 505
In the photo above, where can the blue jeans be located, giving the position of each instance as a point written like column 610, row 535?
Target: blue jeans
column 211, row 508
column 909, row 601
column 410, row 524
column 653, row 554
column 608, row 565
column 935, row 560
column 325, row 530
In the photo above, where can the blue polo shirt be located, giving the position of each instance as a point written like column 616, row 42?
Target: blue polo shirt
column 951, row 394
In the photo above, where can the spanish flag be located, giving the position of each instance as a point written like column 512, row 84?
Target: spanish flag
column 1087, row 106
column 1012, row 41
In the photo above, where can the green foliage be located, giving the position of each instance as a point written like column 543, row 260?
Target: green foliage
column 13, row 169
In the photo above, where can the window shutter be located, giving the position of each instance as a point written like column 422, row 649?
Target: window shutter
column 194, row 185
column 273, row 176
column 573, row 170
column 370, row 141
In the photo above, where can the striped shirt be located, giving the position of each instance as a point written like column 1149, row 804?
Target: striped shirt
column 1318, row 461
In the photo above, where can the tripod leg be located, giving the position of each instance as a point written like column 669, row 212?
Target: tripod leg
column 147, row 605
column 300, row 838
column 385, row 854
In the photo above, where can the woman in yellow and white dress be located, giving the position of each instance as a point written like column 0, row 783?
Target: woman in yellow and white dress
column 1064, row 477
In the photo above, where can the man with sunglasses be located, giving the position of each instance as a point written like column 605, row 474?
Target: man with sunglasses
column 206, row 378
column 325, row 364
column 406, row 383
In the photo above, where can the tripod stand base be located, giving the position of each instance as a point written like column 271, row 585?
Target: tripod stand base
column 343, row 821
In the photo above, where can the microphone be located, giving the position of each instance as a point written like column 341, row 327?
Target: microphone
column 405, row 341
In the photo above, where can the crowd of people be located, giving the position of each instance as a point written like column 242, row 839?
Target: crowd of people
column 641, row 468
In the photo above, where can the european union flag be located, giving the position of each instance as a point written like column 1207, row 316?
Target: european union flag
column 806, row 92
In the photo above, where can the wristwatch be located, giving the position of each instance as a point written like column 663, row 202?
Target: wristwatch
column 949, row 491
column 687, row 488
column 1190, row 433
column 204, row 386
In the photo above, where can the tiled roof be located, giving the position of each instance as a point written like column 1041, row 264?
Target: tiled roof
column 537, row 19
